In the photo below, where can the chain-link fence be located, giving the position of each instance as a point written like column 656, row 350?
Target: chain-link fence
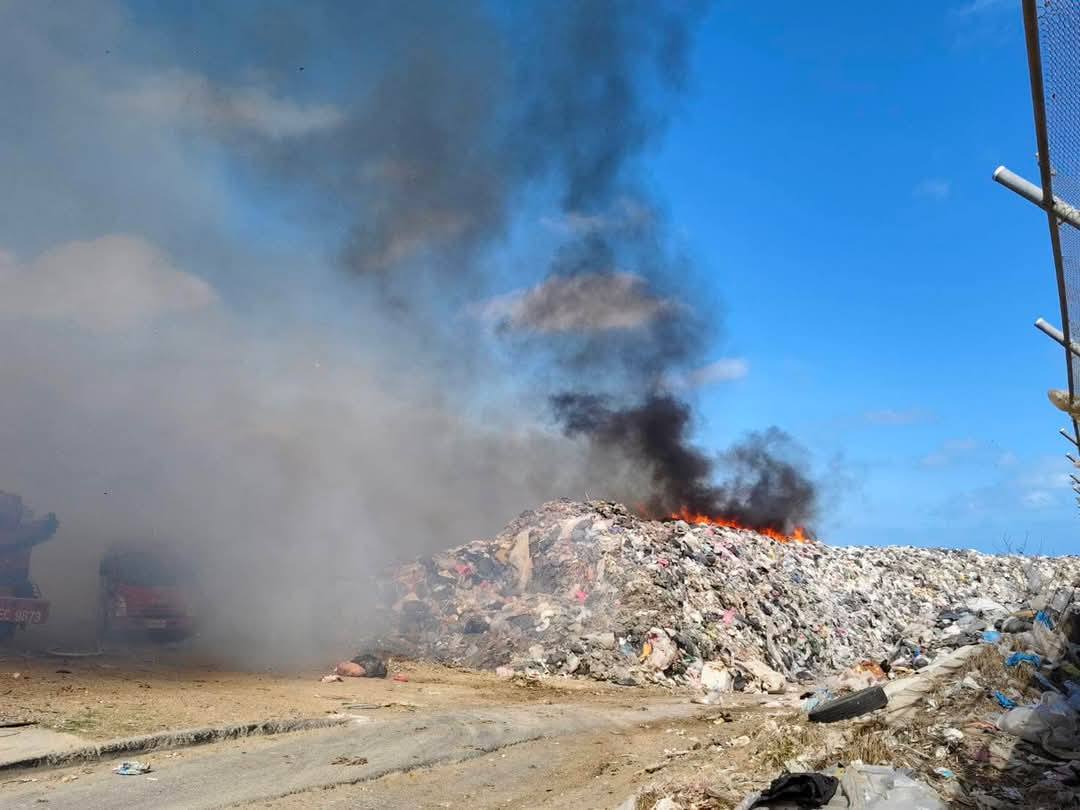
column 1059, row 44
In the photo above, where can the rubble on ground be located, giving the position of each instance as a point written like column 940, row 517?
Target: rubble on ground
column 589, row 589
column 989, row 725
column 971, row 661
column 363, row 665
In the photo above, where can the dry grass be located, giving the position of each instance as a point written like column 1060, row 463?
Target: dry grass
column 990, row 671
column 647, row 799
column 788, row 737
column 870, row 742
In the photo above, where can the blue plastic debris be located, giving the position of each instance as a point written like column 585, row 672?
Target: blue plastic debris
column 1018, row 658
column 991, row 637
column 1004, row 700
column 820, row 696
column 1043, row 617
column 132, row 768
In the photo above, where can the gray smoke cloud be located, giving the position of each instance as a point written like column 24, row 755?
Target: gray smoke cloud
column 288, row 466
column 582, row 303
column 184, row 361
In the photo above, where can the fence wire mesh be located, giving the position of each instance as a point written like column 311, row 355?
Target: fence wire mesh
column 1059, row 43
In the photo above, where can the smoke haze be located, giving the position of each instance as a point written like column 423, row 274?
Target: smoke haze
column 264, row 294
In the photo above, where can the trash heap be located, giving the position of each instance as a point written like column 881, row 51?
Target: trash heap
column 590, row 589
column 993, row 724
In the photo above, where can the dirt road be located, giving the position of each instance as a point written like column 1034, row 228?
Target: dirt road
column 532, row 755
column 436, row 737
column 103, row 697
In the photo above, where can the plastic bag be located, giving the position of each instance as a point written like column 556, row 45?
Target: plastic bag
column 1051, row 721
column 1047, row 643
column 881, row 787
column 1072, row 689
column 872, row 787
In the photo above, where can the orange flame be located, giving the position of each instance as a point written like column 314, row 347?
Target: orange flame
column 797, row 536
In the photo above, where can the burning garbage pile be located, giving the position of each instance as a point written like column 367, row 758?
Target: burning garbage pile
column 590, row 589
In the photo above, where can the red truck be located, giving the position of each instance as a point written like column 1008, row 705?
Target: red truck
column 20, row 600
column 146, row 593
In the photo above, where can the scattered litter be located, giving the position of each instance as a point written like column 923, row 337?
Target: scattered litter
column 343, row 760
column 1018, row 658
column 953, row 736
column 666, row 599
column 335, row 678
column 1051, row 723
column 812, row 700
column 1004, row 700
column 132, row 768
column 848, row 706
column 364, row 665
column 804, row 789
column 868, row 787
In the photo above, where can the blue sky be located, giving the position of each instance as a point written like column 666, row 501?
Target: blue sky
column 831, row 171
column 828, row 171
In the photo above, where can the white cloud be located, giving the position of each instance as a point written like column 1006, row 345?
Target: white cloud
column 1049, row 474
column 1043, row 484
column 727, row 369
column 1017, row 489
column 889, row 416
column 588, row 302
column 951, row 450
column 975, row 7
column 106, row 284
column 960, row 445
column 934, row 188
column 1008, row 459
column 180, row 97
column 1037, row 499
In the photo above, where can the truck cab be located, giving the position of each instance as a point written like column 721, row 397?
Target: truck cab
column 20, row 600
column 146, row 594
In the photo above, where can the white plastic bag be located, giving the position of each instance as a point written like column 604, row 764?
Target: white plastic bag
column 881, row 787
column 1050, row 721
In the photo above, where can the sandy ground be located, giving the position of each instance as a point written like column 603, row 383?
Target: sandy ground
column 597, row 770
column 443, row 737
column 150, row 690
column 530, row 755
column 111, row 696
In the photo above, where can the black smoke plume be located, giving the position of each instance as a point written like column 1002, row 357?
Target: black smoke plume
column 462, row 115
column 763, row 488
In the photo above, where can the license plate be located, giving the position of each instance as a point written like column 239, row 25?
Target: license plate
column 155, row 624
column 23, row 611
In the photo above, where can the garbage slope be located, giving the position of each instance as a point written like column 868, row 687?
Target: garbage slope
column 589, row 589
